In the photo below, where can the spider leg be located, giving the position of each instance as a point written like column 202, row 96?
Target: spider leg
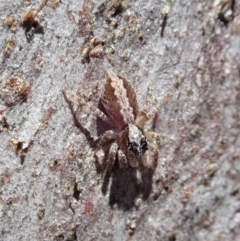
column 133, row 161
column 150, row 159
column 82, row 102
column 78, row 124
column 122, row 159
column 100, row 154
column 112, row 156
column 151, row 135
column 145, row 115
column 158, row 105
column 107, row 137
column 149, row 97
column 100, row 160
column 148, row 165
column 110, row 163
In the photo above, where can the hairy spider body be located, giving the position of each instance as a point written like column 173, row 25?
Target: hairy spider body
column 129, row 139
column 120, row 103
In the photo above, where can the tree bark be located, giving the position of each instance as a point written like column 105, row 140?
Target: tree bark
column 51, row 187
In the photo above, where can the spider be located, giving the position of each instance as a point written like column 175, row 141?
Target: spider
column 129, row 140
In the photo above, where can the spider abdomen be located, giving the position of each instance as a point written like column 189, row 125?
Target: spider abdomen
column 119, row 100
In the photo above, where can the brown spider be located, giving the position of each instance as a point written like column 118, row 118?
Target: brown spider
column 129, row 140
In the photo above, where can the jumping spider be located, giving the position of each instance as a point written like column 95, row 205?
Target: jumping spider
column 129, row 139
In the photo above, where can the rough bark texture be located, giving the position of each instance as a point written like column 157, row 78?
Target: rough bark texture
column 49, row 186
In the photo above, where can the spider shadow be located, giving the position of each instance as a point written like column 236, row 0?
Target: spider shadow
column 125, row 187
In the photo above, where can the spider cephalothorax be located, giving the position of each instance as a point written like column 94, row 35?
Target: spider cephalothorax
column 129, row 140
column 132, row 142
column 137, row 144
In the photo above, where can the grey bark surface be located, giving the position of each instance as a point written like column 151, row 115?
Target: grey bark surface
column 50, row 188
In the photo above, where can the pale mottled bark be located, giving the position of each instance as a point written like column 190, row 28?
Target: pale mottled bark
column 50, row 188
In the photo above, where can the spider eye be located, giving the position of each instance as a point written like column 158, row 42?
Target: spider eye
column 144, row 145
column 138, row 148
